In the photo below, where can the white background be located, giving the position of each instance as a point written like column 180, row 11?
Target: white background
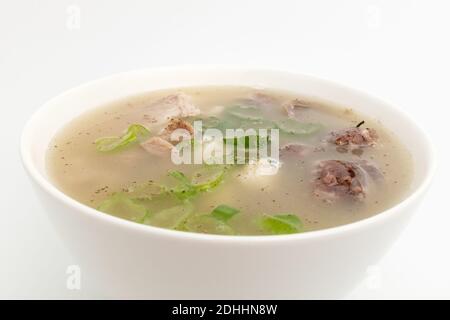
column 398, row 50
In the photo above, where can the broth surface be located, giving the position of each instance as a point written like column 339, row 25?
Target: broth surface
column 91, row 177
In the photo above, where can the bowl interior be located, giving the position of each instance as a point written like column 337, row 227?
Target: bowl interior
column 65, row 107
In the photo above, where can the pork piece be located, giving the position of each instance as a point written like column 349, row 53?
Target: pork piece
column 354, row 137
column 171, row 106
column 337, row 179
column 293, row 108
column 157, row 146
column 174, row 124
column 162, row 143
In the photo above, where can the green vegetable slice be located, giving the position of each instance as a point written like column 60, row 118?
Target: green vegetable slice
column 292, row 126
column 134, row 133
column 208, row 178
column 224, row 212
column 140, row 202
column 180, row 176
column 144, row 191
column 203, row 181
column 171, row 218
column 257, row 124
column 246, row 112
column 207, row 224
column 248, row 142
column 183, row 189
column 244, row 145
column 228, row 122
column 210, row 122
column 281, row 224
column 120, row 205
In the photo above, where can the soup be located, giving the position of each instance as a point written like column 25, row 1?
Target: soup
column 172, row 159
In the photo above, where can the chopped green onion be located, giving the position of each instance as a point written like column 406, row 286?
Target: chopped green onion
column 187, row 189
column 180, row 176
column 207, row 224
column 135, row 133
column 281, row 224
column 119, row 204
column 292, row 126
column 257, row 124
column 246, row 112
column 208, row 178
column 171, row 218
column 224, row 212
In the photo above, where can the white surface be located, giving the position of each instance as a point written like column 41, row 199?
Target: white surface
column 397, row 50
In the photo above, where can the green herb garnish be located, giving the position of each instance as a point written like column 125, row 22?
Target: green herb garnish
column 135, row 133
column 202, row 181
column 119, row 204
column 224, row 212
column 281, row 224
column 206, row 223
column 171, row 218
column 246, row 112
column 295, row 127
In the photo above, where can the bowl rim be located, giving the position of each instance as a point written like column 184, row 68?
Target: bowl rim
column 45, row 184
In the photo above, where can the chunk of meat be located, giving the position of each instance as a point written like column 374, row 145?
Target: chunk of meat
column 293, row 107
column 175, row 124
column 162, row 143
column 171, row 106
column 337, row 179
column 354, row 137
column 157, row 146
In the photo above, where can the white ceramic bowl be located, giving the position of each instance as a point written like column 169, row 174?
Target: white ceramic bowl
column 122, row 259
